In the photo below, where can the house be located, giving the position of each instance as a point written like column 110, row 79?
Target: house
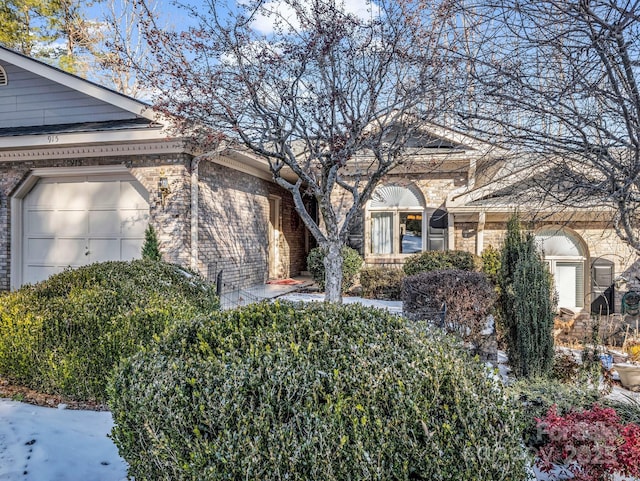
column 459, row 192
column 84, row 170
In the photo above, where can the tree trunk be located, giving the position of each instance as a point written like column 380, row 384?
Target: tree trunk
column 333, row 272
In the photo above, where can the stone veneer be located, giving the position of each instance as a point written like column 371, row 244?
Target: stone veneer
column 234, row 216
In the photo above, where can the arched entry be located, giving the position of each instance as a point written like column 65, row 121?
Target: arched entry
column 565, row 254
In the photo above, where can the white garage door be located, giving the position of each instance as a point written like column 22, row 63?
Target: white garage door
column 74, row 221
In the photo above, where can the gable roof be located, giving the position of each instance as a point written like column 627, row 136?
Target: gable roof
column 79, row 84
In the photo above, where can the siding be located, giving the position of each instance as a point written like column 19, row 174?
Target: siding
column 30, row 100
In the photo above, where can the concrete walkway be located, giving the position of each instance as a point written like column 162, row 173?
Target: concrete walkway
column 289, row 292
column 259, row 292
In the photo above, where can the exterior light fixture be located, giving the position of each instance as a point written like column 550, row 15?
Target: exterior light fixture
column 163, row 188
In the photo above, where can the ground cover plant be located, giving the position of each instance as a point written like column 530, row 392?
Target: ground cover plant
column 65, row 334
column 278, row 391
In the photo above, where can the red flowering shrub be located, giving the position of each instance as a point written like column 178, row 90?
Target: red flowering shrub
column 592, row 444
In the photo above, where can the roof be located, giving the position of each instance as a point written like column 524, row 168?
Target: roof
column 110, row 125
column 78, row 83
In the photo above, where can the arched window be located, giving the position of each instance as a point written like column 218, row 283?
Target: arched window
column 3, row 77
column 398, row 224
column 566, row 258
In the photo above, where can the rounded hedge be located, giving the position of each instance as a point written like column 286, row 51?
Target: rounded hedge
column 317, row 391
column 351, row 265
column 64, row 335
column 438, row 260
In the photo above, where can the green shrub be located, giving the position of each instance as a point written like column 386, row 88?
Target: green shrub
column 491, row 264
column 382, row 283
column 438, row 260
column 526, row 303
column 311, row 392
column 537, row 395
column 627, row 408
column 469, row 299
column 151, row 246
column 65, row 334
column 351, row 265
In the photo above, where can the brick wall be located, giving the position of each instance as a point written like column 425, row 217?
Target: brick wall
column 234, row 227
column 171, row 221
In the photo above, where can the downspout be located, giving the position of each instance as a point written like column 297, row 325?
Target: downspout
column 195, row 216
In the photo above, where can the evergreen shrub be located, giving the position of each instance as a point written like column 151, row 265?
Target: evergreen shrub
column 438, row 260
column 382, row 283
column 151, row 246
column 469, row 299
column 329, row 392
column 526, row 303
column 491, row 264
column 351, row 265
column 65, row 334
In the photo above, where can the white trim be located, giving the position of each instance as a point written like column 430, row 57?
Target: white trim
column 260, row 170
column 87, row 151
column 482, row 217
column 63, row 139
column 81, row 85
column 21, row 192
column 451, row 231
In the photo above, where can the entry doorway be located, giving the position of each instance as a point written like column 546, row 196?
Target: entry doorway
column 275, row 206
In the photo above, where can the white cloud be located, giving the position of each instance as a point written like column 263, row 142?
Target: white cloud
column 280, row 12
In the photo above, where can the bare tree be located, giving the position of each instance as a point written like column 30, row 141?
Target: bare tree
column 557, row 81
column 318, row 88
column 124, row 50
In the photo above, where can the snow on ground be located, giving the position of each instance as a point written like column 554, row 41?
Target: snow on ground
column 45, row 444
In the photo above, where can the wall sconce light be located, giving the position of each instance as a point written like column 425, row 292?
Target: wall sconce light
column 163, row 188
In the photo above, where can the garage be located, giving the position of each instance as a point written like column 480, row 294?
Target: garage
column 74, row 221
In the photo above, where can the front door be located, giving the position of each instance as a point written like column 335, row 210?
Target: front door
column 274, row 237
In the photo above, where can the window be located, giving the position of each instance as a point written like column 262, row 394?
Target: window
column 565, row 257
column 398, row 222
column 3, row 77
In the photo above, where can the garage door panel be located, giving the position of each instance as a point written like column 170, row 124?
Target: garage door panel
column 72, row 196
column 33, row 274
column 131, row 248
column 104, row 194
column 77, row 221
column 134, row 222
column 104, row 249
column 104, row 222
column 48, row 222
column 43, row 195
column 131, row 196
column 41, row 222
column 40, row 251
column 70, row 251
